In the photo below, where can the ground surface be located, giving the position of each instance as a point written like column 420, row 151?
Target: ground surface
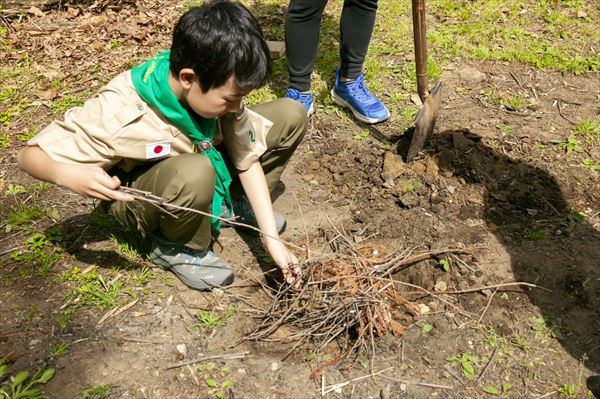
column 498, row 178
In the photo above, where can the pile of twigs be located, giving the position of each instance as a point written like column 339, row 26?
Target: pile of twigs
column 348, row 297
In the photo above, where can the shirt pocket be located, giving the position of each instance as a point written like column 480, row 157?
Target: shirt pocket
column 126, row 115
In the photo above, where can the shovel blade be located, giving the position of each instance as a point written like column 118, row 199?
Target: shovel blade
column 425, row 121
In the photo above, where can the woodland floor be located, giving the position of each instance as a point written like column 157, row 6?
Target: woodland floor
column 495, row 181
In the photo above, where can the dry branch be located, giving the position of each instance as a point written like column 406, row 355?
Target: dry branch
column 347, row 296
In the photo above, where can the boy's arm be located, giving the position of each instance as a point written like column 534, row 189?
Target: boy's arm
column 90, row 181
column 255, row 185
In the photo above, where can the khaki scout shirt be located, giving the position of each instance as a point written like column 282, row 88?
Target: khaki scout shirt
column 117, row 128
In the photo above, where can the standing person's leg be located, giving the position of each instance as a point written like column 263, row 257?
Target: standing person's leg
column 302, row 29
column 180, row 238
column 356, row 28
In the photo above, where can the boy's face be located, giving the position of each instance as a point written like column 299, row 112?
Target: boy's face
column 216, row 101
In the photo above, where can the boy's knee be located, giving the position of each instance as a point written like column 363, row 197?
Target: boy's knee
column 189, row 176
column 295, row 114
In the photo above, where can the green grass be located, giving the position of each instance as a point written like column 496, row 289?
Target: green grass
column 58, row 350
column 97, row 392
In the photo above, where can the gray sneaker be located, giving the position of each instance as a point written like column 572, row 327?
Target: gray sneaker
column 198, row 269
column 243, row 210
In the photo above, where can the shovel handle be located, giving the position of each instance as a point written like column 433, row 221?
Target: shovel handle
column 420, row 35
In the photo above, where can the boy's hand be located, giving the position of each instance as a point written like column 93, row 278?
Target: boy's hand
column 91, row 181
column 286, row 261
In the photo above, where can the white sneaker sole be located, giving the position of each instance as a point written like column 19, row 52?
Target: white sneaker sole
column 343, row 103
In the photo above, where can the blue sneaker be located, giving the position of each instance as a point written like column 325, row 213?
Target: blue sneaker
column 304, row 98
column 355, row 95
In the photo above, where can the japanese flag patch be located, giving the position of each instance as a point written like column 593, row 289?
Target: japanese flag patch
column 158, row 150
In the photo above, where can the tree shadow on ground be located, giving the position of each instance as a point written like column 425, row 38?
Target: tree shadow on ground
column 549, row 243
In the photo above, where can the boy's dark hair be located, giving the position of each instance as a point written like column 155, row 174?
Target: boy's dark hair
column 218, row 39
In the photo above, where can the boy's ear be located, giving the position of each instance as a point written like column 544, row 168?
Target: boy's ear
column 186, row 77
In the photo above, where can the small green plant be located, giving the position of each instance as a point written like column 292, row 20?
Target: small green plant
column 588, row 129
column 504, row 128
column 24, row 214
column 22, row 386
column 39, row 251
column 58, row 350
column 426, row 328
column 27, row 136
column 542, row 330
column 125, row 248
column 218, row 387
column 209, row 319
column 535, row 235
column 142, row 277
column 410, row 186
column 492, row 390
column 445, row 264
column 570, row 390
column 115, row 45
column 590, row 165
column 467, row 362
column 91, row 289
column 571, row 144
column 513, row 103
column 14, row 189
column 4, row 141
column 362, row 135
column 66, row 103
column 97, row 392
column 7, row 116
column 521, row 343
column 576, row 216
column 8, row 95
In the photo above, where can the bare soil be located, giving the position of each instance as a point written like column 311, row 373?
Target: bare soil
column 508, row 195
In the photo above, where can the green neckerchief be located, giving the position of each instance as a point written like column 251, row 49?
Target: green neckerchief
column 151, row 80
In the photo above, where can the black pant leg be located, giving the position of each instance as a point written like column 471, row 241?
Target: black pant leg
column 302, row 28
column 356, row 28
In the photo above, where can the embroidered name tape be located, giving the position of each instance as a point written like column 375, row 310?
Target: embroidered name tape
column 158, row 150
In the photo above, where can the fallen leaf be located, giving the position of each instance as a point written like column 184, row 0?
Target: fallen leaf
column 49, row 94
column 416, row 99
column 72, row 12
column 98, row 20
column 36, row 11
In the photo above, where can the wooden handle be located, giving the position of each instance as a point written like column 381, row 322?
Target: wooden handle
column 420, row 34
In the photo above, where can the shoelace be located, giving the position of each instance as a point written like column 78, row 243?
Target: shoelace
column 359, row 90
column 191, row 255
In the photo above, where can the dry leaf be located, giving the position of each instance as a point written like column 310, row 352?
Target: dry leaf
column 49, row 94
column 98, row 20
column 72, row 12
column 36, row 11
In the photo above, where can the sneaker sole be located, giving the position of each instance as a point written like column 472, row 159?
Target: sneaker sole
column 341, row 102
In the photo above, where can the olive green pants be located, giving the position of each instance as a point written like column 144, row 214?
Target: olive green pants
column 188, row 180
